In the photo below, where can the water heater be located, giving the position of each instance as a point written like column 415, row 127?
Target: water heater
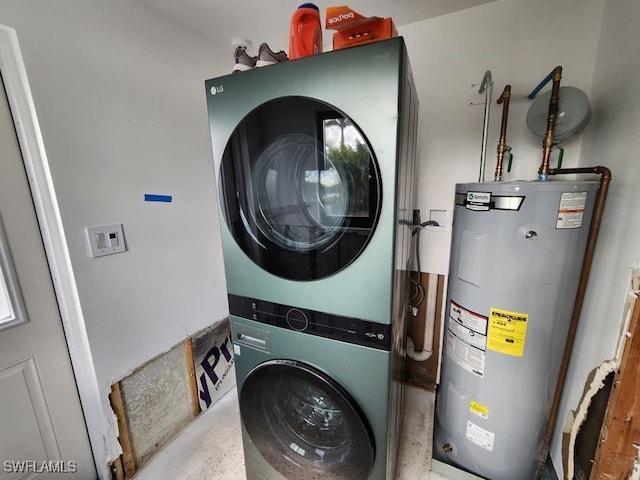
column 517, row 252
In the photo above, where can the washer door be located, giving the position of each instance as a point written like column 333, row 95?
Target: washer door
column 305, row 424
column 299, row 188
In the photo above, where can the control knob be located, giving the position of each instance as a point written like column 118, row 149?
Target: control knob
column 297, row 319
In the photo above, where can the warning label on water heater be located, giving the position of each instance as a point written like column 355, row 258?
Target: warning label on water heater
column 480, row 436
column 571, row 210
column 467, row 338
column 507, row 331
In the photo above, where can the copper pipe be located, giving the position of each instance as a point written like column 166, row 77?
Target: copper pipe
column 548, row 142
column 596, row 220
column 502, row 143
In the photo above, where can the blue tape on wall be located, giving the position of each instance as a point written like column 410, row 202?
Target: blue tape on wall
column 151, row 197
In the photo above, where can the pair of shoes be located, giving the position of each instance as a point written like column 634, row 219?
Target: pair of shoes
column 265, row 57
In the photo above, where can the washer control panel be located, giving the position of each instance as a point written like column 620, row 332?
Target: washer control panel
column 312, row 322
column 297, row 319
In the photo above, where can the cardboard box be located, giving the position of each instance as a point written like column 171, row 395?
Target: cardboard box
column 354, row 29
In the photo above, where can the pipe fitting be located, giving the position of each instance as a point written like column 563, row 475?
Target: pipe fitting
column 502, row 143
column 549, row 141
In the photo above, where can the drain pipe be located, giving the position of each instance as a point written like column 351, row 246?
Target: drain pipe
column 422, row 349
column 548, row 142
column 486, row 86
column 605, row 179
column 420, row 337
column 502, row 143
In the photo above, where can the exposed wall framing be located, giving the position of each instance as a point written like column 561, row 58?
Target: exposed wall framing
column 619, row 444
column 160, row 398
column 193, row 383
column 595, row 382
column 125, row 466
column 616, row 455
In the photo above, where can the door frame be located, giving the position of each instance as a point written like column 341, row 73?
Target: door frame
column 47, row 211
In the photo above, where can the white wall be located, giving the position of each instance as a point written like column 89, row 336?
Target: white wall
column 612, row 139
column 119, row 92
column 520, row 41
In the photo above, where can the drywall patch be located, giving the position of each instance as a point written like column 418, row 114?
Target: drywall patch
column 213, row 358
column 157, row 402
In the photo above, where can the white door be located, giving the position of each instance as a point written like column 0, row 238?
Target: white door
column 42, row 429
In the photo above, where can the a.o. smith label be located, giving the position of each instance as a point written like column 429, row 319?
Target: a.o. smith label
column 478, row 201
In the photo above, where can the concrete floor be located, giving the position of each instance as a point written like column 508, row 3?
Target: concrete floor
column 211, row 447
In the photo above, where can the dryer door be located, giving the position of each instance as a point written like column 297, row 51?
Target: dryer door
column 305, row 424
column 299, row 188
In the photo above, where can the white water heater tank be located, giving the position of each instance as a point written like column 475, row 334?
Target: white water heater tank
column 517, row 252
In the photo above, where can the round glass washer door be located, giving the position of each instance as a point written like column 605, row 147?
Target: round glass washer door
column 300, row 188
column 305, row 424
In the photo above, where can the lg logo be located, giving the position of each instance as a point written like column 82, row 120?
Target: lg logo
column 218, row 89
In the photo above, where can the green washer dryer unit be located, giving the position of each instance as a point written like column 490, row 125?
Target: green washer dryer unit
column 315, row 161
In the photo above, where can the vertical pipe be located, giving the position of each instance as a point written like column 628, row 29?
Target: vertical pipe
column 416, row 329
column 430, row 316
column 486, row 85
column 605, row 179
column 502, row 143
column 548, row 142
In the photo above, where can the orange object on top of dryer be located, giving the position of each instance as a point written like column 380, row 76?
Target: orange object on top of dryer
column 305, row 32
column 353, row 28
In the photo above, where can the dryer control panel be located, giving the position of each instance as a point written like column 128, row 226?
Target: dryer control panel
column 313, row 322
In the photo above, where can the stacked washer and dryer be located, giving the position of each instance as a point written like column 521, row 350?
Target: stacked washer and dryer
column 314, row 162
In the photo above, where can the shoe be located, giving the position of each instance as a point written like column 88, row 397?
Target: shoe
column 267, row 57
column 244, row 61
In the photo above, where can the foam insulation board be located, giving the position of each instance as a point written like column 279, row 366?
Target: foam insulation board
column 157, row 402
column 213, row 358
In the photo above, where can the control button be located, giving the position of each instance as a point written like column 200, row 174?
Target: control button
column 297, row 320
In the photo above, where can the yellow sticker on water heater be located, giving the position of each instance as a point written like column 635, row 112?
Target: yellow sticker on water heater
column 507, row 332
column 479, row 409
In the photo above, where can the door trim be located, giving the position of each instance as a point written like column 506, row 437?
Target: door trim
column 36, row 164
